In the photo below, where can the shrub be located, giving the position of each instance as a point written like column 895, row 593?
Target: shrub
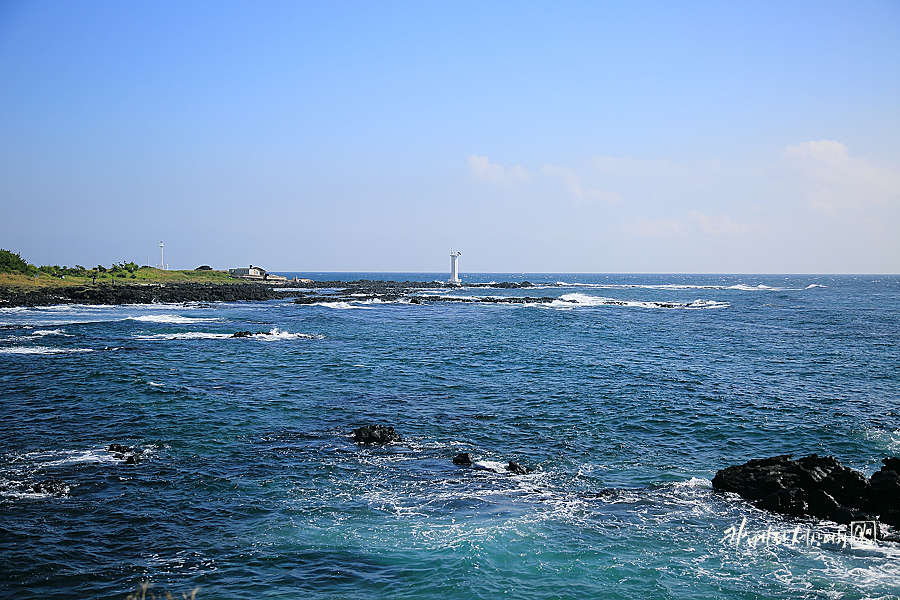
column 13, row 263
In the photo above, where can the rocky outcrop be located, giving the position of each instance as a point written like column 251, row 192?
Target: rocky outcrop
column 130, row 456
column 816, row 486
column 376, row 435
column 463, row 459
column 517, row 469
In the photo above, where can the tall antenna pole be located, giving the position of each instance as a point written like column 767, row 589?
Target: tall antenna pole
column 162, row 264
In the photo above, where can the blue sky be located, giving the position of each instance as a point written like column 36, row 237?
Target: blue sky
column 709, row 137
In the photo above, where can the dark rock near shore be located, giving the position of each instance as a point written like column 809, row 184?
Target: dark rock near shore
column 816, row 486
column 376, row 434
column 464, row 459
column 131, row 456
column 140, row 294
column 241, row 334
column 331, row 291
column 517, row 469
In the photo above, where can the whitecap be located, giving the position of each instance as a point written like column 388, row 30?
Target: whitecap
column 186, row 335
column 569, row 301
column 170, row 319
column 341, row 305
column 42, row 350
column 277, row 334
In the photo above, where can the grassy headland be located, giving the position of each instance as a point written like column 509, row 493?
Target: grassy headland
column 15, row 272
column 23, row 284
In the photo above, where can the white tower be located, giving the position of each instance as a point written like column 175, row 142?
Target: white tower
column 454, row 270
column 161, row 262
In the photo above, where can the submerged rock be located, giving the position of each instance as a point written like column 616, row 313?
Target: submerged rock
column 241, row 334
column 816, row 486
column 376, row 434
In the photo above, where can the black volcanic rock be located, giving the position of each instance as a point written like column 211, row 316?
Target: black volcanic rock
column 517, row 469
column 140, row 294
column 464, row 459
column 817, row 486
column 131, row 456
column 376, row 434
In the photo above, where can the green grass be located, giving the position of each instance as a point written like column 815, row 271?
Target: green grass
column 145, row 275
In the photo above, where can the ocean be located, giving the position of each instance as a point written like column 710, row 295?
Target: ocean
column 625, row 395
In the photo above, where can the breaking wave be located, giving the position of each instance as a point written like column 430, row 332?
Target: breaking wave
column 568, row 301
column 171, row 319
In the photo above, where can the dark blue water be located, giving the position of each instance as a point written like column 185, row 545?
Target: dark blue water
column 625, row 395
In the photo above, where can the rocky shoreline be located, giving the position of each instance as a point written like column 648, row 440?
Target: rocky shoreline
column 309, row 292
column 817, row 486
column 139, row 294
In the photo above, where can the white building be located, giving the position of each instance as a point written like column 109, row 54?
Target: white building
column 256, row 274
column 250, row 273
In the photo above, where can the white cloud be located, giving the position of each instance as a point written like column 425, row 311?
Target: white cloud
column 482, row 168
column 572, row 182
column 832, row 180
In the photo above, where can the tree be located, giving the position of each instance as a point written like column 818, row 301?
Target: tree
column 13, row 263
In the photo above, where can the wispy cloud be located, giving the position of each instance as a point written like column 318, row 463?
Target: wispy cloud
column 833, row 180
column 572, row 182
column 482, row 168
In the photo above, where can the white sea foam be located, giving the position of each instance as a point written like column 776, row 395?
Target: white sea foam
column 43, row 332
column 273, row 334
column 186, row 335
column 672, row 286
column 21, row 490
column 342, row 305
column 574, row 300
column 42, row 350
column 171, row 319
column 278, row 335
column 491, row 465
column 59, row 458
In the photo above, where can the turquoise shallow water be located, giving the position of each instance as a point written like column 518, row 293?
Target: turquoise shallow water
column 625, row 396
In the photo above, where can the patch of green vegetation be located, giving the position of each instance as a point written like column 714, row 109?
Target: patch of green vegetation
column 13, row 264
column 14, row 270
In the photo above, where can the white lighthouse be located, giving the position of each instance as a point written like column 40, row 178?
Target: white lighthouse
column 454, row 269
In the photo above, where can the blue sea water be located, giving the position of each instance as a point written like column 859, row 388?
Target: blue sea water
column 626, row 395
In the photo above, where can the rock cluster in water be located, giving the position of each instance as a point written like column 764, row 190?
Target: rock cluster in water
column 131, row 456
column 817, row 486
column 376, row 434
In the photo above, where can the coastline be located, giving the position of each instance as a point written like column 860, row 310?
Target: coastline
column 233, row 291
column 105, row 294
